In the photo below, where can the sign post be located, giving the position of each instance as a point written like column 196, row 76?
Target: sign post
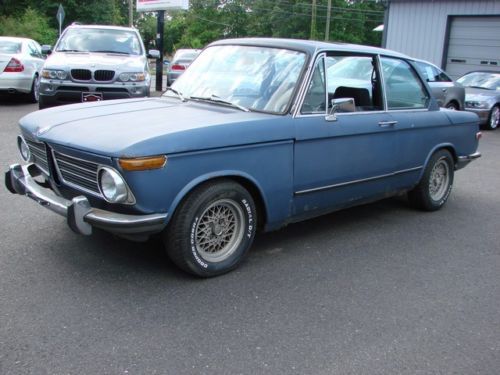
column 160, row 6
column 159, row 43
column 60, row 17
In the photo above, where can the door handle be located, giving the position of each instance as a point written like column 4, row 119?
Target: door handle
column 386, row 124
column 444, row 90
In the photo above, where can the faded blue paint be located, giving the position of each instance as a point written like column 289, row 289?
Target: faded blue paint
column 301, row 167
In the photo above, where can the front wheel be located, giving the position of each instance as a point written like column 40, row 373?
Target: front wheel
column 494, row 118
column 212, row 229
column 435, row 186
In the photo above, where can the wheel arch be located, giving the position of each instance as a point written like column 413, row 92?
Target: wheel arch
column 244, row 179
column 443, row 146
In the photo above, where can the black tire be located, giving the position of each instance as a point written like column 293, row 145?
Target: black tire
column 34, row 93
column 198, row 244
column 42, row 104
column 453, row 106
column 493, row 118
column 434, row 188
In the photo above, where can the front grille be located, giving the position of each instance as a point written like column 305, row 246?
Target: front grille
column 104, row 75
column 39, row 155
column 81, row 74
column 78, row 173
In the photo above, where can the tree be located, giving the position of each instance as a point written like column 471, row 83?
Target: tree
column 29, row 24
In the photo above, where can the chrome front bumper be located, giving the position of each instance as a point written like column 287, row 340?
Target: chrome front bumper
column 464, row 160
column 81, row 217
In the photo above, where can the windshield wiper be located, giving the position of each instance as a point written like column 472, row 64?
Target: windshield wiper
column 183, row 99
column 70, row 50
column 216, row 99
column 116, row 52
column 479, row 87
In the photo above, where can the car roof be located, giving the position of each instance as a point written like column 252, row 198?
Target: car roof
column 78, row 26
column 16, row 39
column 309, row 46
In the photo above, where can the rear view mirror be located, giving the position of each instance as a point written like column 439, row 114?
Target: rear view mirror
column 154, row 54
column 46, row 49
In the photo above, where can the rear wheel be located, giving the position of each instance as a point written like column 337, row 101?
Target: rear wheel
column 452, row 105
column 494, row 118
column 435, row 186
column 212, row 229
column 35, row 90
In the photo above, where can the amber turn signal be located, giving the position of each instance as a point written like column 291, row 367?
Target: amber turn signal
column 142, row 164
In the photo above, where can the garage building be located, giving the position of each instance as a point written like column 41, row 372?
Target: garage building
column 458, row 35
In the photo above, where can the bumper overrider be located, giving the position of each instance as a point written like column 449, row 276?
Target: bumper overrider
column 462, row 161
column 81, row 217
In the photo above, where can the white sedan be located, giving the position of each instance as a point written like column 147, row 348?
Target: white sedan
column 21, row 62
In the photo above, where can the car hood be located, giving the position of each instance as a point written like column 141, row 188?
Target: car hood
column 151, row 126
column 473, row 94
column 75, row 60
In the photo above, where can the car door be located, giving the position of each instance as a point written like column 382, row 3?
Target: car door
column 417, row 115
column 348, row 156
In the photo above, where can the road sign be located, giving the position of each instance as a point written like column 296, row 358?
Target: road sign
column 60, row 16
column 152, row 5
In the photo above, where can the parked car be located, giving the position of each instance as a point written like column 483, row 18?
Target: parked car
column 250, row 137
column 482, row 96
column 21, row 62
column 448, row 93
column 179, row 63
column 93, row 63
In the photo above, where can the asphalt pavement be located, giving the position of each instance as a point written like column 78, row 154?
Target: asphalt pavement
column 377, row 289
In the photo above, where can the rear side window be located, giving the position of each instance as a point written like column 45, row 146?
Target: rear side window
column 7, row 46
column 403, row 87
column 431, row 73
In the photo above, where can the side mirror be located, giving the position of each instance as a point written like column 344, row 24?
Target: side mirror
column 46, row 49
column 340, row 105
column 154, row 54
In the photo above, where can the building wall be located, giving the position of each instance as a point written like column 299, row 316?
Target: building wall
column 418, row 28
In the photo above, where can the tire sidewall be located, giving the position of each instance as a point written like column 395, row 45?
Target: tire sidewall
column 195, row 261
column 438, row 156
column 495, row 107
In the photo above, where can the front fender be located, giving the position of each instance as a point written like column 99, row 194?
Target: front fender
column 212, row 176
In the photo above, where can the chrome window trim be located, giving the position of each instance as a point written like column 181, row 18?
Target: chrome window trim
column 342, row 184
column 75, row 186
column 304, row 85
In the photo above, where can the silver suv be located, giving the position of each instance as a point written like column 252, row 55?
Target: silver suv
column 92, row 63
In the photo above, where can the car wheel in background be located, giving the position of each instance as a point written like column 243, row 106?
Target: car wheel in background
column 494, row 118
column 212, row 229
column 35, row 90
column 435, row 186
column 452, row 105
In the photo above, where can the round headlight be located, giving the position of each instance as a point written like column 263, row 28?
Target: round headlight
column 124, row 77
column 53, row 74
column 61, row 74
column 112, row 185
column 24, row 150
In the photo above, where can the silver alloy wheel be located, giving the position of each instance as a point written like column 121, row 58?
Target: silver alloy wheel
column 439, row 180
column 495, row 117
column 219, row 230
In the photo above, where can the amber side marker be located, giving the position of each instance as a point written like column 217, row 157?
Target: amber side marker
column 142, row 164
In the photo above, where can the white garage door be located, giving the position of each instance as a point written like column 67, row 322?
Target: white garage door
column 474, row 45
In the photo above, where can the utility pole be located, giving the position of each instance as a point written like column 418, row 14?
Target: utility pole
column 313, row 20
column 327, row 28
column 130, row 13
column 159, row 44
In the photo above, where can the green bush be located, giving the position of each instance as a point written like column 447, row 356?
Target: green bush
column 31, row 24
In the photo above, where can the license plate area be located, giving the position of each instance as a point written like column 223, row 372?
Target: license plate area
column 91, row 97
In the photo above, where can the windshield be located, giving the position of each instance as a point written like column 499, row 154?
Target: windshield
column 256, row 78
column 7, row 46
column 100, row 40
column 483, row 80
